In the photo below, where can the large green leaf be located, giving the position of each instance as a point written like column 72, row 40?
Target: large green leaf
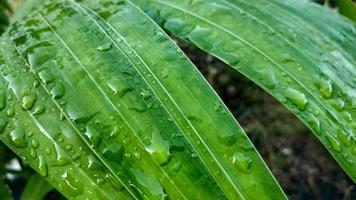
column 301, row 53
column 105, row 106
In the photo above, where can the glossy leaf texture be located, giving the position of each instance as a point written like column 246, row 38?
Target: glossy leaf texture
column 105, row 106
column 302, row 54
column 36, row 188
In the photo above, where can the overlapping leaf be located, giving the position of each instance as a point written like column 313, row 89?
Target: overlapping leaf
column 302, row 54
column 105, row 106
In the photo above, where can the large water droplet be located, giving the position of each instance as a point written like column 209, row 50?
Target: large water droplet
column 333, row 142
column 39, row 110
column 113, row 152
column 297, row 98
column 242, row 162
column 119, row 86
column 58, row 91
column 62, row 158
column 46, row 76
column 338, row 104
column 314, row 123
column 325, row 87
column 105, row 47
column 344, row 138
column 228, row 139
column 28, row 101
column 149, row 182
column 93, row 135
column 159, row 148
column 17, row 137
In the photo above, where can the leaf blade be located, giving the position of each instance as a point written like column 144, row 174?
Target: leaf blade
column 286, row 67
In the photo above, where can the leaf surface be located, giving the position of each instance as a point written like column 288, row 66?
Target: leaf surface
column 36, row 188
column 104, row 105
column 301, row 53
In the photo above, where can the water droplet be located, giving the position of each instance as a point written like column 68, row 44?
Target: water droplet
column 105, row 47
column 242, row 162
column 119, row 86
column 159, row 148
column 10, row 112
column 42, row 166
column 227, row 139
column 338, row 104
column 39, row 110
column 46, row 76
column 333, row 142
column 17, row 137
column 93, row 135
column 113, row 152
column 28, row 101
column 145, row 94
column 62, row 158
column 344, row 138
column 58, row 91
column 35, row 143
column 200, row 36
column 150, row 183
column 325, row 88
column 314, row 123
column 297, row 98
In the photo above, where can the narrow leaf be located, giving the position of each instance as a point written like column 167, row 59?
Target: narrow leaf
column 301, row 53
column 5, row 192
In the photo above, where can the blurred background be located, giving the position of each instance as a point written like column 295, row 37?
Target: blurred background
column 300, row 163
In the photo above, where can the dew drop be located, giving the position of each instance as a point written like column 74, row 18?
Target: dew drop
column 297, row 98
column 104, row 47
column 227, row 139
column 159, row 148
column 145, row 94
column 344, row 138
column 28, row 102
column 10, row 112
column 314, row 123
column 119, row 86
column 58, row 91
column 93, row 135
column 242, row 162
column 325, row 88
column 61, row 159
column 17, row 137
column 334, row 143
column 113, row 152
column 39, row 110
column 46, row 76
column 338, row 104
column 35, row 143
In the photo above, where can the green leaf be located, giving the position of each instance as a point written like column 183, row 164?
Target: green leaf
column 5, row 192
column 104, row 105
column 36, row 188
column 301, row 53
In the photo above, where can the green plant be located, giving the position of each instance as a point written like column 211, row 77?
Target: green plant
column 99, row 101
